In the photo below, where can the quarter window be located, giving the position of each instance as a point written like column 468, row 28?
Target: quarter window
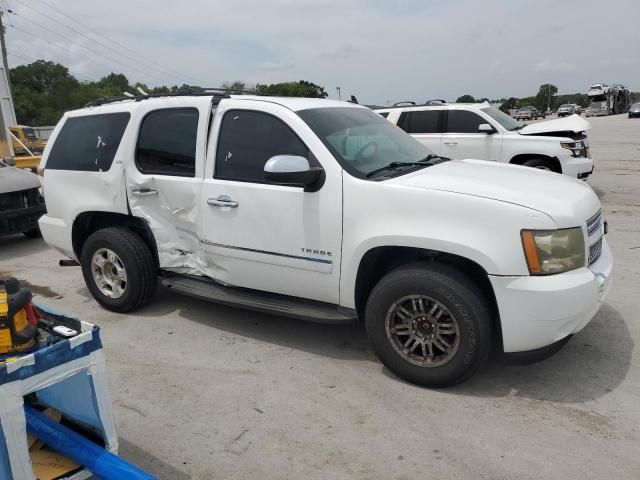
column 167, row 142
column 462, row 121
column 248, row 140
column 88, row 143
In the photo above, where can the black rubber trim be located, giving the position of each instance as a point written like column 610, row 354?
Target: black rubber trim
column 537, row 355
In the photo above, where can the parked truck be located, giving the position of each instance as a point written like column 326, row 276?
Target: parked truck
column 608, row 100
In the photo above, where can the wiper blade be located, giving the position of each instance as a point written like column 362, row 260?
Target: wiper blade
column 393, row 165
column 433, row 156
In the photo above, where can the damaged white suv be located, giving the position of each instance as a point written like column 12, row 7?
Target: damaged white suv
column 480, row 131
column 323, row 210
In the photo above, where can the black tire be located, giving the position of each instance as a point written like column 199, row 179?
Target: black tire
column 139, row 264
column 33, row 233
column 539, row 163
column 459, row 295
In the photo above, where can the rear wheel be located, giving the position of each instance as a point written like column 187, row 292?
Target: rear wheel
column 119, row 269
column 429, row 324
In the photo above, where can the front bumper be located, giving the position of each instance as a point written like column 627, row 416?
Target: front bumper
column 577, row 167
column 20, row 220
column 536, row 312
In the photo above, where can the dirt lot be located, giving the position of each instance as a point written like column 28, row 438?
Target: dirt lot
column 204, row 391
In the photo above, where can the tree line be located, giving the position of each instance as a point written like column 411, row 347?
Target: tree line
column 44, row 90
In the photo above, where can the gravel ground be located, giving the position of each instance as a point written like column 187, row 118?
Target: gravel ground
column 205, row 391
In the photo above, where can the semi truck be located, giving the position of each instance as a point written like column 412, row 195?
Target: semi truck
column 608, row 100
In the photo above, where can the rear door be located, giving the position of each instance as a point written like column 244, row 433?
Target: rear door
column 462, row 138
column 164, row 178
column 425, row 126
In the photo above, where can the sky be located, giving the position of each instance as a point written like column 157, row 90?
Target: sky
column 379, row 50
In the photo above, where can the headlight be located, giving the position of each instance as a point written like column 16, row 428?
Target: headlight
column 553, row 251
column 575, row 147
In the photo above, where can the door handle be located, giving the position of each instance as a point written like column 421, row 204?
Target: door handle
column 450, row 142
column 223, row 201
column 144, row 192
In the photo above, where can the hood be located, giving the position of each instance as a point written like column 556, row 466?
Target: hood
column 13, row 179
column 573, row 123
column 568, row 201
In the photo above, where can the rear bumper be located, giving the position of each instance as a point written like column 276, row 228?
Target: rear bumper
column 537, row 312
column 21, row 220
column 57, row 235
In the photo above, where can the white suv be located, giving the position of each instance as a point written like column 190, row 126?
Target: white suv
column 483, row 132
column 323, row 210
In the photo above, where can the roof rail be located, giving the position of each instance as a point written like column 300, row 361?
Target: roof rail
column 218, row 93
column 435, row 101
column 404, row 103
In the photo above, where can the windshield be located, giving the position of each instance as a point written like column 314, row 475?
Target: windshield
column 502, row 118
column 565, row 106
column 29, row 133
column 635, row 105
column 361, row 140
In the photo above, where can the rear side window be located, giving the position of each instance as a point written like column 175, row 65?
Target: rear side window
column 248, row 140
column 427, row 121
column 462, row 121
column 88, row 143
column 167, row 142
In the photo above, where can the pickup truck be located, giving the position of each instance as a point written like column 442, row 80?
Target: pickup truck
column 528, row 113
column 323, row 210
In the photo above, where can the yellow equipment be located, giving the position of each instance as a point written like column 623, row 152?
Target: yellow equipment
column 17, row 335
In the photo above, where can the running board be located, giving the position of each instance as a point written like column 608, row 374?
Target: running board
column 259, row 301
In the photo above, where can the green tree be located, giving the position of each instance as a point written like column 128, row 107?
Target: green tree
column 509, row 104
column 302, row 88
column 466, row 99
column 236, row 87
column 545, row 96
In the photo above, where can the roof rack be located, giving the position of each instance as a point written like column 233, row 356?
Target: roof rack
column 215, row 92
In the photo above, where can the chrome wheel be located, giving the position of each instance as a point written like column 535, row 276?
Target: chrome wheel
column 422, row 331
column 109, row 273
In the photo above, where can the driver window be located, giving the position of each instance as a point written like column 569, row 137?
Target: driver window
column 248, row 140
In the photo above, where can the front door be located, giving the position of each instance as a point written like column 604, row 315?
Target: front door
column 462, row 139
column 264, row 236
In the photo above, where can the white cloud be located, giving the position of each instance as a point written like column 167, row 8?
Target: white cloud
column 284, row 64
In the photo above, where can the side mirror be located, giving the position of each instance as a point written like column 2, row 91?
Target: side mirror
column 11, row 161
column 294, row 170
column 486, row 128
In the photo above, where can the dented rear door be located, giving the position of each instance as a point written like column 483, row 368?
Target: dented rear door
column 164, row 178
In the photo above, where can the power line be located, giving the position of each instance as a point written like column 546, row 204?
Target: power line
column 85, row 47
column 51, row 44
column 28, row 58
column 96, row 33
column 83, row 35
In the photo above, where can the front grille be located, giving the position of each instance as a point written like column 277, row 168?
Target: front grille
column 18, row 200
column 594, row 223
column 595, row 251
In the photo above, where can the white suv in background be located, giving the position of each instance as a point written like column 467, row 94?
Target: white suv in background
column 483, row 132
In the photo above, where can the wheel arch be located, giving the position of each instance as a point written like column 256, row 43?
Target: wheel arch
column 378, row 261
column 89, row 222
column 523, row 157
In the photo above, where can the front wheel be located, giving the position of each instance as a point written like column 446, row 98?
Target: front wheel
column 119, row 269
column 539, row 163
column 429, row 324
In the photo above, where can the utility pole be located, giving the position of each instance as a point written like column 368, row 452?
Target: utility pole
column 7, row 113
column 339, row 93
column 548, row 97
